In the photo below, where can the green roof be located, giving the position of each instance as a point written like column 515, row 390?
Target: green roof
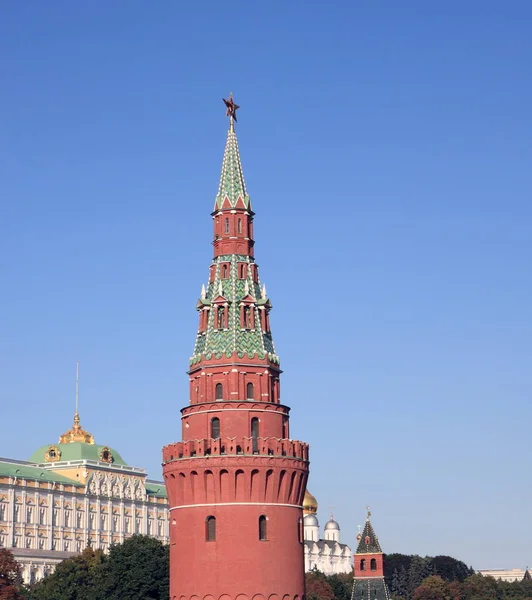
column 76, row 451
column 232, row 185
column 10, row 469
column 154, row 488
column 369, row 542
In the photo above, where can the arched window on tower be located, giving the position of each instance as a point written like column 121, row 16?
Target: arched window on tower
column 210, row 529
column 219, row 390
column 363, row 564
column 263, row 528
column 225, row 271
column 255, row 434
column 250, row 391
column 215, row 428
column 239, row 226
column 226, row 225
column 373, row 564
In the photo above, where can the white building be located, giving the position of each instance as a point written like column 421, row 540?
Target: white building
column 506, row 574
column 72, row 494
column 328, row 555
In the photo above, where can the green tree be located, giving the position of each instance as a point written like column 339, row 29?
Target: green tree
column 73, row 579
column 395, row 561
column 432, row 588
column 138, row 569
column 318, row 588
column 399, row 585
column 10, row 576
column 341, row 585
column 477, row 587
column 450, row 569
column 416, row 573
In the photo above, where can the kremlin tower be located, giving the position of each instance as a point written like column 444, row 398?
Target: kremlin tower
column 369, row 583
column 236, row 481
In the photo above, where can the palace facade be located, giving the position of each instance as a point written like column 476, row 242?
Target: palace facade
column 73, row 494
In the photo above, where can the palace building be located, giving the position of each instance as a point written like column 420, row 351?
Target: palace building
column 72, row 494
column 328, row 555
column 236, row 481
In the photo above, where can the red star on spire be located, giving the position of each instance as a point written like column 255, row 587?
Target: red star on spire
column 231, row 107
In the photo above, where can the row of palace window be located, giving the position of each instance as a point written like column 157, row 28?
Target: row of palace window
column 225, row 271
column 373, row 564
column 210, row 528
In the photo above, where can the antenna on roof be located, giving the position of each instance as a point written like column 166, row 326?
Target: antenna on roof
column 77, row 387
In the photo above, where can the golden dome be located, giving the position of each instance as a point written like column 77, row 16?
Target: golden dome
column 310, row 504
column 76, row 434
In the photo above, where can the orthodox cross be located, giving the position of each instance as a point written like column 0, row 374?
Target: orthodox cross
column 231, row 109
column 331, row 510
column 369, row 513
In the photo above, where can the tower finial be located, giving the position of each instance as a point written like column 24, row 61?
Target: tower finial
column 77, row 391
column 231, row 110
column 77, row 433
column 368, row 515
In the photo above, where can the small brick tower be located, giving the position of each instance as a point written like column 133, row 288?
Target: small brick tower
column 236, row 481
column 369, row 581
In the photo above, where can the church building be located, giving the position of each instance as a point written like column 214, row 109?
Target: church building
column 328, row 555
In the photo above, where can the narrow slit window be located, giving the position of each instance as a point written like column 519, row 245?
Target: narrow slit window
column 263, row 528
column 250, row 391
column 210, row 529
column 227, row 226
column 255, row 434
column 215, row 428
column 219, row 391
column 239, row 226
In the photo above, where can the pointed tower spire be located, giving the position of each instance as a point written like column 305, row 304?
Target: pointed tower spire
column 234, row 318
column 235, row 430
column 232, row 191
column 369, row 581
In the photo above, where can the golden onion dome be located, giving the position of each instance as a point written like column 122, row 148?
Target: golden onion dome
column 310, row 504
column 76, row 434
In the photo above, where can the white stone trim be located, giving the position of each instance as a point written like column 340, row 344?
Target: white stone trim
column 235, row 504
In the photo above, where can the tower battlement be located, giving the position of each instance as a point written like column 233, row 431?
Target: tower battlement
column 244, row 446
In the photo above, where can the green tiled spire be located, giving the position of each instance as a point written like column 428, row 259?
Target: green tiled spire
column 369, row 543
column 232, row 185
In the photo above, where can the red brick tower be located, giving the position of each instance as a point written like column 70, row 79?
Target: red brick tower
column 236, row 482
column 369, row 583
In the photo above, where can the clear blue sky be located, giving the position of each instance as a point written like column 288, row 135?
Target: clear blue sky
column 387, row 149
